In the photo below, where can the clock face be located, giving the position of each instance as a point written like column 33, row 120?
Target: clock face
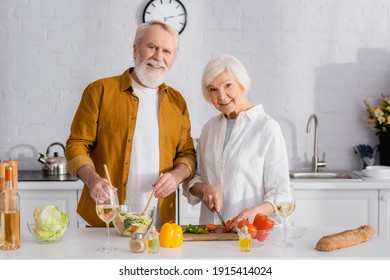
column 171, row 12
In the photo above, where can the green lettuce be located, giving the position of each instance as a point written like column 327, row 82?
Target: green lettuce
column 131, row 219
column 50, row 222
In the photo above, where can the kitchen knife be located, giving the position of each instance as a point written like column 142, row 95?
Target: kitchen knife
column 221, row 219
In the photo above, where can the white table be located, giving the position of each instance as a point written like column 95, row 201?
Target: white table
column 81, row 243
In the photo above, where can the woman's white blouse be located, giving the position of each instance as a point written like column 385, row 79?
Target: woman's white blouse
column 247, row 172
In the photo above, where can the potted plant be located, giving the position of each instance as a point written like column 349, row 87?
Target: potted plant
column 379, row 120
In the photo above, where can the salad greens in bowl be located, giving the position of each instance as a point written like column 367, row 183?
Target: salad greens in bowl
column 131, row 219
column 50, row 224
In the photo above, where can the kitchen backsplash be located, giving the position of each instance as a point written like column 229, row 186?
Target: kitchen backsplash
column 304, row 57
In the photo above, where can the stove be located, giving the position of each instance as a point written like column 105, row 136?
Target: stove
column 37, row 175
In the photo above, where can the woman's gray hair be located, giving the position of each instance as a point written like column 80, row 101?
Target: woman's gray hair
column 144, row 26
column 234, row 69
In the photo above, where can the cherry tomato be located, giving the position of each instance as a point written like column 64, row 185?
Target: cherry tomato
column 228, row 226
column 262, row 221
column 242, row 223
column 211, row 227
column 133, row 228
column 252, row 230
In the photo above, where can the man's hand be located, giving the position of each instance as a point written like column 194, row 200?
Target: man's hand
column 168, row 182
column 93, row 181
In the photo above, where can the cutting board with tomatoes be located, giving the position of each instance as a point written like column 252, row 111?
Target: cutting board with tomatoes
column 217, row 235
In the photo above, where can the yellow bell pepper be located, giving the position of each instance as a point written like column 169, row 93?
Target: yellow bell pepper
column 171, row 235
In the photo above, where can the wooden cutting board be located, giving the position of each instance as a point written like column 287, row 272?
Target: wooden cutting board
column 218, row 235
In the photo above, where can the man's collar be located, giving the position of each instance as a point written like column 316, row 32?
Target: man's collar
column 126, row 81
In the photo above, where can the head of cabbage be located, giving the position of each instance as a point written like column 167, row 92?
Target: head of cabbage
column 50, row 222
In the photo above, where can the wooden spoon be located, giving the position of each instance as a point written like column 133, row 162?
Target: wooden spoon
column 119, row 219
column 150, row 199
column 108, row 175
column 147, row 204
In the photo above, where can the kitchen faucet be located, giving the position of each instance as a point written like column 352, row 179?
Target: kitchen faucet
column 316, row 163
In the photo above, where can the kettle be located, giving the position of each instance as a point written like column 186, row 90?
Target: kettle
column 53, row 165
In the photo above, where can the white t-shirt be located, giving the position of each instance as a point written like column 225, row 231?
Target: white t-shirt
column 247, row 170
column 145, row 155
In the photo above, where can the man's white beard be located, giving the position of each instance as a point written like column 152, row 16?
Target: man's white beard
column 150, row 78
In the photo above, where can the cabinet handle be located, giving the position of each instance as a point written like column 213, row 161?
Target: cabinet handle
column 384, row 197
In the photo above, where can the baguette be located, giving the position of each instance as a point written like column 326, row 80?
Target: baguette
column 345, row 239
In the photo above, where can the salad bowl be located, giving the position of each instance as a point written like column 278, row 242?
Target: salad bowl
column 132, row 218
column 44, row 236
column 49, row 224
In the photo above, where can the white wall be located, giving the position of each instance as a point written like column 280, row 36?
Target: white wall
column 319, row 56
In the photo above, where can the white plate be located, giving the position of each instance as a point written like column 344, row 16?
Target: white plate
column 378, row 167
column 377, row 171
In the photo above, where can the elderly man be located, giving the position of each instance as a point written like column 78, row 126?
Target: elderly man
column 138, row 126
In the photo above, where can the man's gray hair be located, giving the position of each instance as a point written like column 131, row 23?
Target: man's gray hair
column 144, row 26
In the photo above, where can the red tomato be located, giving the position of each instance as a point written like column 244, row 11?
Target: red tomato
column 133, row 228
column 228, row 226
column 242, row 223
column 262, row 221
column 252, row 230
column 211, row 227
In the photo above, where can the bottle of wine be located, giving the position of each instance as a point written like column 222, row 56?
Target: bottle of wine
column 9, row 214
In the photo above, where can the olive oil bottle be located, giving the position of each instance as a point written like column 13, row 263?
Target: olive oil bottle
column 9, row 214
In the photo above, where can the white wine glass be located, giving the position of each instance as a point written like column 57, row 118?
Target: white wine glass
column 107, row 207
column 284, row 202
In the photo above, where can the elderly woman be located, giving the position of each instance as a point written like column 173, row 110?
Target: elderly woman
column 242, row 154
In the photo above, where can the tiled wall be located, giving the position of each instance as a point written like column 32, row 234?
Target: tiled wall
column 319, row 56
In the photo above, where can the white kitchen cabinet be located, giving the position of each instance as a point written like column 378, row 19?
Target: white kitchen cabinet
column 384, row 214
column 317, row 208
column 327, row 204
column 336, row 207
column 187, row 214
column 65, row 195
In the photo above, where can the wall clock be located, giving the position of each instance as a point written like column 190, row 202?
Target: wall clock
column 171, row 12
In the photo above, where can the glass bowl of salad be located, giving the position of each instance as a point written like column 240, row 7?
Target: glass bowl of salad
column 48, row 236
column 131, row 219
column 49, row 224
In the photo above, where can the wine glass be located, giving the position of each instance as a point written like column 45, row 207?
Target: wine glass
column 284, row 202
column 107, row 207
